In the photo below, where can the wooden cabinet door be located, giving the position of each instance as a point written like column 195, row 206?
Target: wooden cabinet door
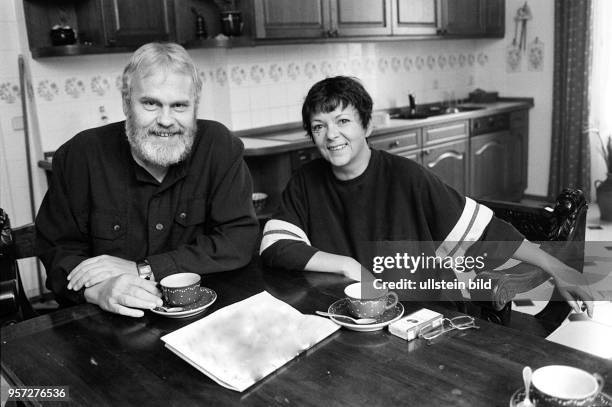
column 494, row 12
column 516, row 151
column 478, row 18
column 489, row 169
column 462, row 17
column 292, row 19
column 360, row 17
column 414, row 17
column 136, row 22
column 449, row 162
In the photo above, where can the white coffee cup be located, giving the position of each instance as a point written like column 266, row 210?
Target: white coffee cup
column 557, row 385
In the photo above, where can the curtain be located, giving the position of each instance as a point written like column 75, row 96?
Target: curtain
column 570, row 155
column 601, row 87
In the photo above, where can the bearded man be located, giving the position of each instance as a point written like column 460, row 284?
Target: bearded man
column 132, row 202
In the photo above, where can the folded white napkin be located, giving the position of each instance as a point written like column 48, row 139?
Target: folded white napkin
column 242, row 343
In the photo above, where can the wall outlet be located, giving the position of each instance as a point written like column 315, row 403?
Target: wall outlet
column 17, row 123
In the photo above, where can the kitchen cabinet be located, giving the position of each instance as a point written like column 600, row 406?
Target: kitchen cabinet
column 107, row 26
column 101, row 25
column 498, row 157
column 405, row 143
column 136, row 22
column 444, row 153
column 477, row 18
column 414, row 17
column 449, row 162
column 321, row 18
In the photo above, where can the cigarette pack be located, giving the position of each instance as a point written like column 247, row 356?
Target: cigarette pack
column 409, row 326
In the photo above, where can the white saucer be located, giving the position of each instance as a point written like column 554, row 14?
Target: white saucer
column 340, row 307
column 208, row 297
column 518, row 396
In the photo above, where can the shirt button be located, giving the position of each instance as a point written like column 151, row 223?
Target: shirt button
column 159, row 226
column 182, row 215
column 116, row 228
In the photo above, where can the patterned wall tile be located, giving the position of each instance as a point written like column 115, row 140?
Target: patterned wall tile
column 482, row 59
column 293, row 71
column 238, row 75
column 221, row 76
column 326, row 68
column 419, row 62
column 452, row 61
column 47, row 90
column 275, row 72
column 431, row 62
column 341, row 67
column 9, row 92
column 257, row 73
column 310, row 69
column 471, row 59
column 383, row 65
column 396, row 64
column 74, row 87
column 99, row 85
column 408, row 64
column 442, row 61
column 462, row 60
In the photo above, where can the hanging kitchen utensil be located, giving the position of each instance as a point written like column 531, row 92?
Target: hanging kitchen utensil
column 523, row 14
column 513, row 58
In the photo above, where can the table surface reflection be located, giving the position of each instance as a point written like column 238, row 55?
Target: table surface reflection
column 107, row 359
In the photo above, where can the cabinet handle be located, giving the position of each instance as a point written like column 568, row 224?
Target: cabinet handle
column 335, row 33
column 487, row 145
column 327, row 33
column 426, row 152
column 394, row 144
column 443, row 156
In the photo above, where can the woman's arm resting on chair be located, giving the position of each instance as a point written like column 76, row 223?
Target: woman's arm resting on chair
column 569, row 281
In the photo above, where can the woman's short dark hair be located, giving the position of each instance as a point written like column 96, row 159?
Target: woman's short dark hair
column 326, row 95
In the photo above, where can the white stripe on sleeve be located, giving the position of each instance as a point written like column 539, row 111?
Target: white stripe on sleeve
column 469, row 228
column 276, row 230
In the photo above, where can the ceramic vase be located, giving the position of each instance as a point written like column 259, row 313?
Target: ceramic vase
column 603, row 190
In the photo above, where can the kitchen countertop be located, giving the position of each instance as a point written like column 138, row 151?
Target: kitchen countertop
column 291, row 137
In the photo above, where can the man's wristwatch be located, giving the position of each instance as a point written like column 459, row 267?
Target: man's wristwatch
column 144, row 269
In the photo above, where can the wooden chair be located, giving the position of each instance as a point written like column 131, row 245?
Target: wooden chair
column 15, row 243
column 564, row 226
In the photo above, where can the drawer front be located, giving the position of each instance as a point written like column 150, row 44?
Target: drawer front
column 490, row 124
column 398, row 141
column 445, row 132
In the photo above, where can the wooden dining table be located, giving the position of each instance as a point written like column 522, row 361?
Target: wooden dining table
column 105, row 359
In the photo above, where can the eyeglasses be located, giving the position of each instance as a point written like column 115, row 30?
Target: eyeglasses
column 460, row 323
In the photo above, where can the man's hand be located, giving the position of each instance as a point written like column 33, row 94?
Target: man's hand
column 123, row 294
column 97, row 269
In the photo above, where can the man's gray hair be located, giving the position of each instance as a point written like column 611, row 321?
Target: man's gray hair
column 153, row 57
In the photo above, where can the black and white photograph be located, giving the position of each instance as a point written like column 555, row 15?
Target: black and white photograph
column 306, row 203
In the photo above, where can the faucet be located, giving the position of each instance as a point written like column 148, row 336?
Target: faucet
column 412, row 103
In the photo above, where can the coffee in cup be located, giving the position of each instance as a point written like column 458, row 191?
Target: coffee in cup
column 558, row 385
column 181, row 289
column 366, row 302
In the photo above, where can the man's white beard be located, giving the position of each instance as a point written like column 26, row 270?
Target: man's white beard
column 149, row 148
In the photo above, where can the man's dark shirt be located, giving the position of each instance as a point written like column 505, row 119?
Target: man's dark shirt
column 199, row 219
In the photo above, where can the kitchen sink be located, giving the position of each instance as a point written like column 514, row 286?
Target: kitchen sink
column 434, row 111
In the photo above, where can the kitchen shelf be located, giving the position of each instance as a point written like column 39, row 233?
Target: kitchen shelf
column 76, row 49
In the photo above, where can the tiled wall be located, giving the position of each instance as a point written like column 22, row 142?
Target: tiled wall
column 261, row 86
column 14, row 190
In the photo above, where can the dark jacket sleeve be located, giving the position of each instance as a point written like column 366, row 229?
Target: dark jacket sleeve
column 61, row 240
column 233, row 226
column 288, row 230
